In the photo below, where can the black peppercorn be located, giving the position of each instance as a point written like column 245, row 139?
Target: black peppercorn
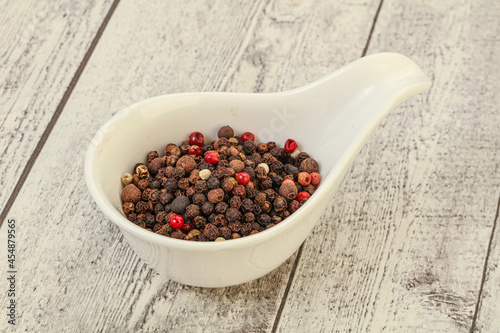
column 128, row 207
column 171, row 185
column 225, row 232
column 213, row 183
column 150, row 220
column 199, row 222
column 207, row 208
column 280, row 204
column 151, row 156
column 251, row 192
column 143, row 184
column 246, row 228
column 266, row 183
column 251, row 173
column 235, row 202
column 192, row 210
column 166, row 197
column 221, row 207
column 264, row 219
column 199, row 199
column 293, row 206
column 220, row 220
column 248, row 217
column 183, row 184
column 233, row 214
column 256, row 210
column 247, row 205
column 239, row 190
column 211, row 231
column 154, row 196
column 249, row 147
column 159, row 207
column 234, row 226
column 260, row 198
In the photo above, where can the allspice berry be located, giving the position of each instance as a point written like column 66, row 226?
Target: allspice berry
column 309, row 165
column 225, row 132
column 288, row 191
column 155, row 165
column 187, row 163
column 216, row 195
column 131, row 193
column 237, row 165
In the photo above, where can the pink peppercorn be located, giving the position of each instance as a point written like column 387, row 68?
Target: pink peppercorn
column 195, row 150
column 247, row 136
column 290, row 145
column 304, row 178
column 243, row 178
column 303, row 195
column 315, row 178
column 212, row 157
column 196, row 138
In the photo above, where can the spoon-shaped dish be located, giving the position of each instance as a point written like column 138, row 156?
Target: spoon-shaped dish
column 330, row 118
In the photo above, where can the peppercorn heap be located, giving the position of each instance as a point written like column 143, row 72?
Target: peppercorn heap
column 230, row 188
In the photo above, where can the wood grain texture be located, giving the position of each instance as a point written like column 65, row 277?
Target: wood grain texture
column 404, row 247
column 486, row 37
column 94, row 282
column 43, row 43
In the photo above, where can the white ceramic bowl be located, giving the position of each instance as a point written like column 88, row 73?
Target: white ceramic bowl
column 330, row 119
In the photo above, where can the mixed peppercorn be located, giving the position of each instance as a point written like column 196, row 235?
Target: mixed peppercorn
column 230, row 188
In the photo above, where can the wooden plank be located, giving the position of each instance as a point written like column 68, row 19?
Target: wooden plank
column 488, row 307
column 82, row 276
column 404, row 246
column 43, row 43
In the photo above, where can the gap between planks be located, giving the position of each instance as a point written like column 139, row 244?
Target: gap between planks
column 57, row 113
column 485, row 269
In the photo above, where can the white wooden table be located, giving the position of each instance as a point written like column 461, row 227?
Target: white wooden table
column 410, row 242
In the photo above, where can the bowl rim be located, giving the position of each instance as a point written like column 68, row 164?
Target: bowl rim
column 123, row 223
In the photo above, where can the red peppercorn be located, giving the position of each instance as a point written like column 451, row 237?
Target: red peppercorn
column 196, row 138
column 212, row 157
column 176, row 221
column 304, row 178
column 290, row 145
column 195, row 150
column 315, row 178
column 303, row 195
column 247, row 136
column 243, row 178
column 288, row 181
